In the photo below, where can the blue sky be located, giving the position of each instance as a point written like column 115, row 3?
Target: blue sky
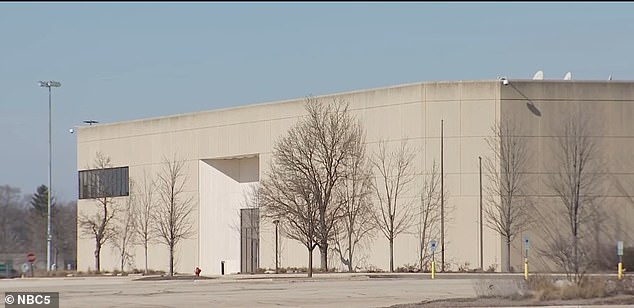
column 124, row 61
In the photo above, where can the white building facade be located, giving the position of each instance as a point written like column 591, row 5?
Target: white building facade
column 227, row 151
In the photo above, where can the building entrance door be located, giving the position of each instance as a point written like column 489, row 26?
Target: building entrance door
column 249, row 240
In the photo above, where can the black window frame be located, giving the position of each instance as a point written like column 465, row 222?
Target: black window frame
column 91, row 183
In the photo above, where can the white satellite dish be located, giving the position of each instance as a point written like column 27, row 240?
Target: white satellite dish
column 568, row 76
column 539, row 75
column 610, row 77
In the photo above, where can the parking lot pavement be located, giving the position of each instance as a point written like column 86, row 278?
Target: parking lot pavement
column 244, row 291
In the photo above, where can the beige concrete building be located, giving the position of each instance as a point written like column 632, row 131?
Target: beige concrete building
column 228, row 150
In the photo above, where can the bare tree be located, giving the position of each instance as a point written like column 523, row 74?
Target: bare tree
column 250, row 200
column 357, row 222
column 395, row 176
column 172, row 213
column 144, row 213
column 337, row 137
column 286, row 195
column 125, row 231
column 65, row 231
column 316, row 153
column 575, row 185
column 99, row 225
column 10, row 215
column 429, row 215
column 507, row 208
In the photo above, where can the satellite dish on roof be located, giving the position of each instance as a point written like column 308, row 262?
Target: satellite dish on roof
column 568, row 76
column 610, row 77
column 539, row 75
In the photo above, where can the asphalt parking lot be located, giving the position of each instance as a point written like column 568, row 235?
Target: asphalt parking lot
column 236, row 291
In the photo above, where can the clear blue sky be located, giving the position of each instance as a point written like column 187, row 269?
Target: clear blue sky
column 124, row 61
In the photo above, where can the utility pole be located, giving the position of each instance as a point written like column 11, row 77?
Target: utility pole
column 442, row 202
column 481, row 235
column 276, row 222
column 49, row 236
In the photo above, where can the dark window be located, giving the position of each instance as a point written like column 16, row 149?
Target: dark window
column 249, row 240
column 100, row 183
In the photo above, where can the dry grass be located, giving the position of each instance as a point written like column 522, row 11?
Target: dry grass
column 545, row 288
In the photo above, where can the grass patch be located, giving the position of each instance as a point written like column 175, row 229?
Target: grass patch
column 546, row 288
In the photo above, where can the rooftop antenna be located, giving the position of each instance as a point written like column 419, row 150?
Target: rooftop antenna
column 539, row 75
column 568, row 76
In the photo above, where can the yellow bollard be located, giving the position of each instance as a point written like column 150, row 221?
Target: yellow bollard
column 525, row 270
column 620, row 270
column 433, row 269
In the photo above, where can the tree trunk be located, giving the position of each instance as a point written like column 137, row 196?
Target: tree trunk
column 324, row 256
column 171, row 260
column 391, row 255
column 508, row 254
column 310, row 263
column 576, row 258
column 349, row 252
column 145, row 246
column 97, row 254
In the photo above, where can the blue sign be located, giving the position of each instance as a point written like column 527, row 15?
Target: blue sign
column 526, row 242
column 432, row 245
column 619, row 248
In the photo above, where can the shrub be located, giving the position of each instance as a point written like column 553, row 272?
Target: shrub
column 492, row 268
column 544, row 288
column 296, row 270
column 407, row 268
column 465, row 267
column 373, row 269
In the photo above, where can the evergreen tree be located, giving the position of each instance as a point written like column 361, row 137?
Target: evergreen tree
column 39, row 201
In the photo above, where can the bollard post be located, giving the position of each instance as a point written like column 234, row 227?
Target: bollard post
column 620, row 275
column 619, row 252
column 432, row 247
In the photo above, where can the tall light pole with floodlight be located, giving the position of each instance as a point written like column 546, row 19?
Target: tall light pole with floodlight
column 49, row 238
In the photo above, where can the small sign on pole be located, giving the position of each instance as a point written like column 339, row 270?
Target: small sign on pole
column 526, row 242
column 619, row 248
column 619, row 252
column 432, row 247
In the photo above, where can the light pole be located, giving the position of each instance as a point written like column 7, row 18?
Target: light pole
column 481, row 235
column 49, row 238
column 442, row 201
column 276, row 222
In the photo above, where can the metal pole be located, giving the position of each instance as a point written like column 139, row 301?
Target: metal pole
column 276, row 253
column 433, row 265
column 49, row 236
column 525, row 263
column 620, row 268
column 442, row 201
column 50, row 189
column 481, row 235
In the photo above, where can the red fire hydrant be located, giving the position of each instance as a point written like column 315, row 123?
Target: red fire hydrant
column 197, row 271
